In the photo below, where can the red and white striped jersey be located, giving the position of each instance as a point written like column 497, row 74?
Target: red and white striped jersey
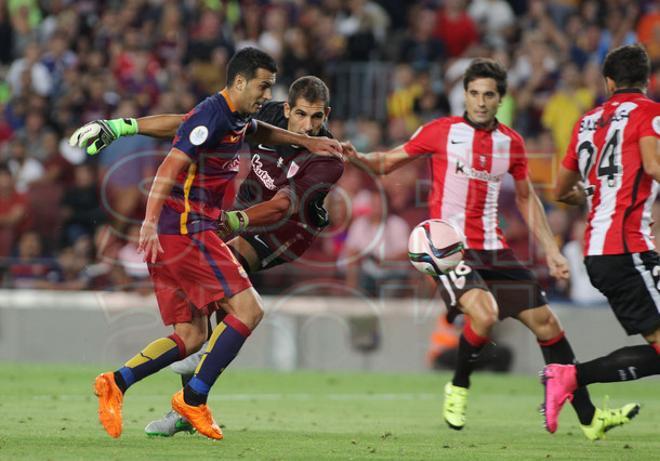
column 468, row 164
column 604, row 149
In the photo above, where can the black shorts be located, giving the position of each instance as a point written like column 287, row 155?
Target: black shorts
column 282, row 245
column 513, row 286
column 630, row 282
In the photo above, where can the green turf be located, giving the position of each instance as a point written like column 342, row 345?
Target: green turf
column 49, row 412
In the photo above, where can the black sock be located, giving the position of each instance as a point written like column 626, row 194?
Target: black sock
column 185, row 379
column 558, row 350
column 193, row 398
column 467, row 356
column 119, row 380
column 625, row 364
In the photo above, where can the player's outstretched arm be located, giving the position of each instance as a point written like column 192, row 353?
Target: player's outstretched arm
column 95, row 136
column 174, row 163
column 380, row 163
column 262, row 214
column 531, row 208
column 272, row 135
column 649, row 147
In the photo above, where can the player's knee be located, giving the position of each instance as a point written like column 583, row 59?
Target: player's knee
column 485, row 317
column 253, row 315
column 193, row 338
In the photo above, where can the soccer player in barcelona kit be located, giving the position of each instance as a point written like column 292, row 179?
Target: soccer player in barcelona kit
column 191, row 268
column 613, row 163
column 291, row 182
column 469, row 157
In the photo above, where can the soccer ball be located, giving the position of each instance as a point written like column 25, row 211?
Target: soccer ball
column 435, row 247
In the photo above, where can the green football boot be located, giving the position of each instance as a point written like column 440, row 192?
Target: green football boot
column 607, row 419
column 168, row 425
column 454, row 406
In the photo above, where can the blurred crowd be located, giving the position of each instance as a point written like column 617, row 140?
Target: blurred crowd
column 70, row 221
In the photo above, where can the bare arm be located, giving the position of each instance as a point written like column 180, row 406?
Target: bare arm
column 381, row 163
column 532, row 211
column 269, row 134
column 165, row 178
column 649, row 147
column 569, row 190
column 160, row 126
column 270, row 211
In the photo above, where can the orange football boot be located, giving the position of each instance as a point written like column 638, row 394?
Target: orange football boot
column 110, row 402
column 199, row 416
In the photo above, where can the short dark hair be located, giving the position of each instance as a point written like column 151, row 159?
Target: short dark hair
column 247, row 61
column 486, row 68
column 629, row 66
column 310, row 88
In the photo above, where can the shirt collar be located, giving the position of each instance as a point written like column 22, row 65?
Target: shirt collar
column 225, row 94
column 479, row 127
column 626, row 93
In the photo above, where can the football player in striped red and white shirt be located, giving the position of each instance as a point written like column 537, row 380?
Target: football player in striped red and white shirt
column 469, row 157
column 613, row 163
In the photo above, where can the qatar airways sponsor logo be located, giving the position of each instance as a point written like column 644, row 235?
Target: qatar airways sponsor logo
column 472, row 173
column 262, row 174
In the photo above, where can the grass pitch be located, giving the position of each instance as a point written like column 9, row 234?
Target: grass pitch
column 49, row 413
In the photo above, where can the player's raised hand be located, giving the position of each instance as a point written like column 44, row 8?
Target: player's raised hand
column 558, row 266
column 99, row 134
column 323, row 145
column 148, row 242
column 349, row 151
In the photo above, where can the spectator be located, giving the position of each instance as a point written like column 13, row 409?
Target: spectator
column 30, row 70
column 375, row 247
column 364, row 27
column 401, row 101
column 6, row 36
column 80, row 205
column 566, row 105
column 495, row 18
column 25, row 170
column 30, row 268
column 13, row 206
column 419, row 47
column 33, row 133
column 455, row 28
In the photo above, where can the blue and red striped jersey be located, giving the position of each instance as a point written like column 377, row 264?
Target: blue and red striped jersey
column 212, row 134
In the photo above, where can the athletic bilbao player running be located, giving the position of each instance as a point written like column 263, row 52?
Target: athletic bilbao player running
column 291, row 182
column 191, row 268
column 614, row 155
column 469, row 157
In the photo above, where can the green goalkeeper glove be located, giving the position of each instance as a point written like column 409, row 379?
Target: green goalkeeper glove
column 232, row 222
column 99, row 134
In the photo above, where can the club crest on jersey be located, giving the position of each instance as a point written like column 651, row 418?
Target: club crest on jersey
column 198, row 135
column 293, row 169
column 656, row 124
column 482, row 160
